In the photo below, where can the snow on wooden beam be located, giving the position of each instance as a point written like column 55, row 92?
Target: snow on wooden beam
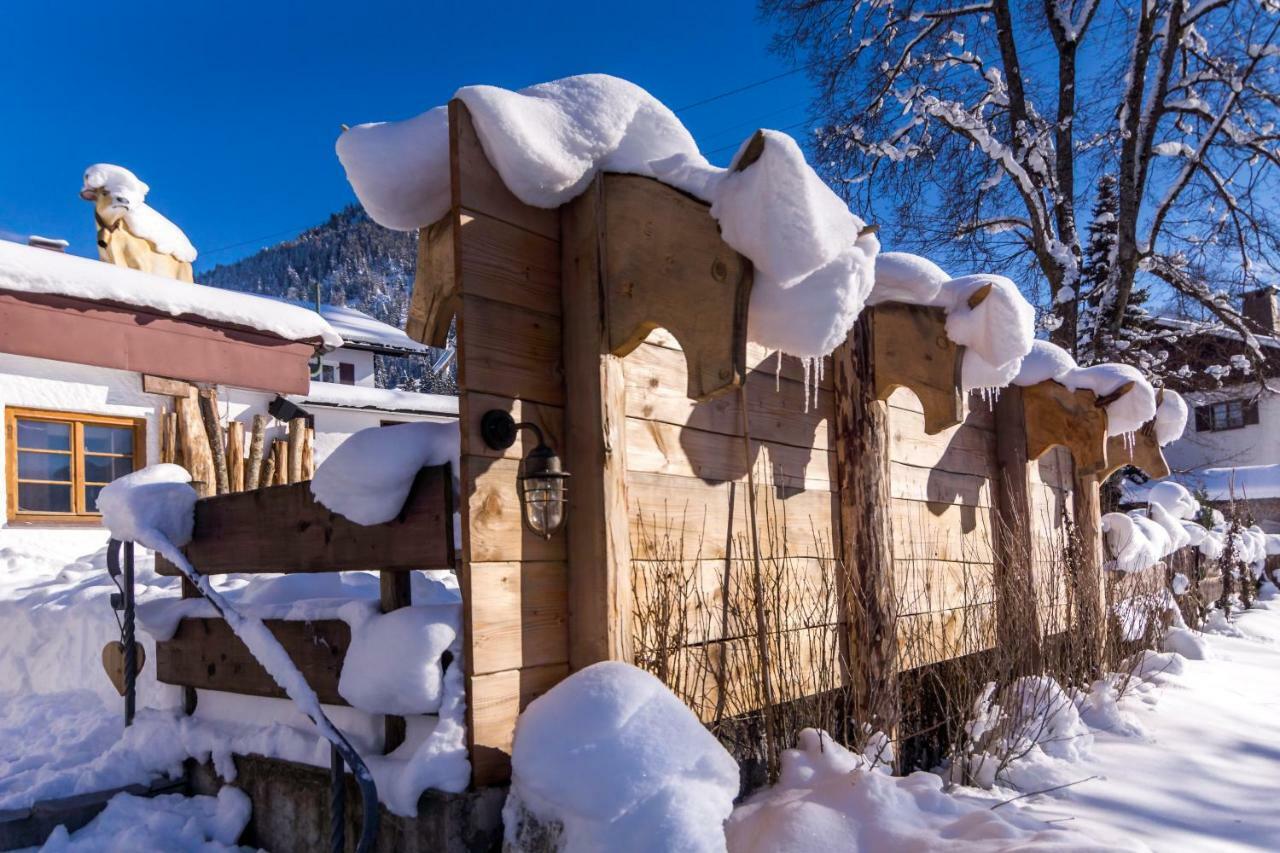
column 665, row 266
column 912, row 351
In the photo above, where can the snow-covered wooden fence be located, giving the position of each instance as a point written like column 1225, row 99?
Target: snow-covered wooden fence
column 283, row 529
column 886, row 503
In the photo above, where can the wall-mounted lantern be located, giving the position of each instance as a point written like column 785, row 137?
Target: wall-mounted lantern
column 542, row 482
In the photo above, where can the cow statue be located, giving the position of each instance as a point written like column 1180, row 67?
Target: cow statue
column 130, row 232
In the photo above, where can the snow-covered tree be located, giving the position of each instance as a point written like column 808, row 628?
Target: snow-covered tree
column 986, row 124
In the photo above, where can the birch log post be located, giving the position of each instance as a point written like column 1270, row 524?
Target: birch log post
column 193, row 444
column 168, row 436
column 268, row 474
column 213, row 434
column 235, row 455
column 257, row 440
column 309, row 455
column 866, row 547
column 280, row 453
column 297, row 438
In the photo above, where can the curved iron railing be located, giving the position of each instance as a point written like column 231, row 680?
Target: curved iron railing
column 342, row 751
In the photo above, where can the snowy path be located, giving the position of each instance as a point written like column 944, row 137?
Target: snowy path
column 1206, row 777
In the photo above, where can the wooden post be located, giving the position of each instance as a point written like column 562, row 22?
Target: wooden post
column 213, row 433
column 168, row 436
column 297, row 437
column 866, row 541
column 595, row 452
column 189, row 695
column 280, row 455
column 309, row 455
column 194, row 443
column 268, row 475
column 256, row 441
column 1090, row 592
column 235, row 455
column 395, row 591
column 1017, row 619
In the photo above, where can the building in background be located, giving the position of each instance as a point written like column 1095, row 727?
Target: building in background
column 91, row 355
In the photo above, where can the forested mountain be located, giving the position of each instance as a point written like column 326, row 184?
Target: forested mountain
column 355, row 262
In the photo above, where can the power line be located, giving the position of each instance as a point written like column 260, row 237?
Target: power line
column 298, row 230
column 745, row 88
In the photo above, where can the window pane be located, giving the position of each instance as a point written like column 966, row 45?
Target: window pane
column 42, row 497
column 104, row 469
column 91, row 497
column 105, row 439
column 44, row 435
column 44, row 466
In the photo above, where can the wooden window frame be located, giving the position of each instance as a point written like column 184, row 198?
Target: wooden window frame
column 78, row 421
column 1206, row 422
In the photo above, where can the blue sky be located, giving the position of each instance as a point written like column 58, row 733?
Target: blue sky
column 229, row 110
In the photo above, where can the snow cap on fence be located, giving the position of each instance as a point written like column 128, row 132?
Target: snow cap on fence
column 153, row 506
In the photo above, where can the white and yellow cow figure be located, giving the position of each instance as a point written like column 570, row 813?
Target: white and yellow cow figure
column 130, row 232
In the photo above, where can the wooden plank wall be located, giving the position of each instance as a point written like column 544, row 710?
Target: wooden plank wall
column 943, row 497
column 1051, row 476
column 692, row 568
column 506, row 257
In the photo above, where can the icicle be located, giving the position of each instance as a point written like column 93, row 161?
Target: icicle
column 817, row 383
column 777, row 374
column 806, row 362
column 1130, row 441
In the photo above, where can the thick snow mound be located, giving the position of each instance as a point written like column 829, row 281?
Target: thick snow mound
column 1128, row 542
column 622, row 764
column 1175, row 499
column 997, row 333
column 1171, row 417
column 367, row 478
column 903, row 277
column 410, row 680
column 128, row 196
column 813, row 272
column 171, row 822
column 153, row 506
column 547, row 142
column 827, row 799
column 31, row 270
column 1045, row 361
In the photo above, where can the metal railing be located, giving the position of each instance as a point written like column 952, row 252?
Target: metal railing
column 341, row 752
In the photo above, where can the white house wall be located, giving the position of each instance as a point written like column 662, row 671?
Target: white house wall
column 1258, row 444
column 66, row 387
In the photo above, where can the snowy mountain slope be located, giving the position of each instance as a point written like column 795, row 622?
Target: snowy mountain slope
column 357, row 263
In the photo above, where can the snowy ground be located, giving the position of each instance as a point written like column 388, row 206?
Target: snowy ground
column 1186, row 762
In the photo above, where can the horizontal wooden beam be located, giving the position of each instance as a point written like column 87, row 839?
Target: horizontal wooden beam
column 284, row 529
column 206, row 654
column 163, row 385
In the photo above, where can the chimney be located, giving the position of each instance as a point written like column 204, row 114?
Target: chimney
column 1260, row 309
column 53, row 244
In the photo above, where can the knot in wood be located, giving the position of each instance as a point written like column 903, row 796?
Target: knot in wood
column 719, row 270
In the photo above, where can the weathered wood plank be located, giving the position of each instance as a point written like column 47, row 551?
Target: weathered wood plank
column 494, row 530
column 959, row 449
column 509, row 351
column 493, row 703
column 550, row 419
column 654, row 447
column 778, row 413
column 501, row 262
column 519, row 615
column 930, row 586
column 761, row 359
column 434, row 300
column 664, row 264
column 977, row 412
column 910, row 482
column 913, row 350
column 284, row 529
column 206, row 654
column 928, row 638
column 695, row 601
column 163, row 385
column 686, row 518
column 936, row 531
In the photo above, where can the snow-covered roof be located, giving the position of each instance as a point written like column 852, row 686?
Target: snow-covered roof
column 377, row 399
column 30, row 270
column 1218, row 331
column 129, row 194
column 363, row 332
column 1243, row 482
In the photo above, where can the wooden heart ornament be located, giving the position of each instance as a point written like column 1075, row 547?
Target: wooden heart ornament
column 113, row 662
